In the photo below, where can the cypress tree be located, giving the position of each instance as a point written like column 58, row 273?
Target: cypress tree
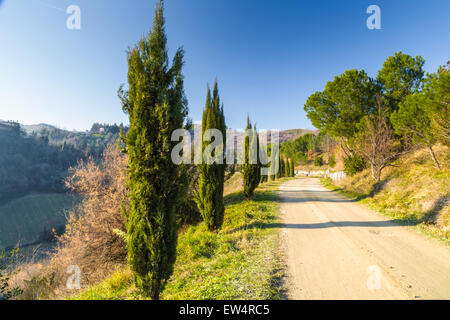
column 156, row 105
column 287, row 168
column 209, row 196
column 263, row 159
column 251, row 171
column 280, row 169
column 292, row 168
column 273, row 159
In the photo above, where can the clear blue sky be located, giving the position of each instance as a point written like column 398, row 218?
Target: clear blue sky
column 269, row 56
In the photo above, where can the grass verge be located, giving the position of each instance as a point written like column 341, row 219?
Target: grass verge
column 242, row 261
column 387, row 206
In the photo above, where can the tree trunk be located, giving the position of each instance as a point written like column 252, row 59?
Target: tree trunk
column 372, row 168
column 433, row 156
column 379, row 174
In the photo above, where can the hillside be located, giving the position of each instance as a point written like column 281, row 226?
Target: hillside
column 34, row 161
column 33, row 164
column 412, row 190
column 32, row 218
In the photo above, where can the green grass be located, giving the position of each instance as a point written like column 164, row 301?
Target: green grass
column 22, row 220
column 242, row 261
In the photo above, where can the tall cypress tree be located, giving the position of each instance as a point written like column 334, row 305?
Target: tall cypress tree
column 156, row 105
column 292, row 168
column 264, row 159
column 287, row 168
column 279, row 173
column 209, row 196
column 273, row 159
column 251, row 168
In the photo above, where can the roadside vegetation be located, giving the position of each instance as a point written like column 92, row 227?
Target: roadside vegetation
column 242, row 261
column 413, row 191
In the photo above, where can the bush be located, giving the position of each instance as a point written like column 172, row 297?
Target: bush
column 353, row 165
column 318, row 162
column 6, row 259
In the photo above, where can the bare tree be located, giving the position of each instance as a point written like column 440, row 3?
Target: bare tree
column 376, row 141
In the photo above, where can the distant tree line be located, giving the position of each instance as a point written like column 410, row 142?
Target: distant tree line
column 306, row 148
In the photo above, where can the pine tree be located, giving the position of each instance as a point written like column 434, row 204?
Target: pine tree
column 251, row 168
column 209, row 196
column 156, row 105
column 292, row 168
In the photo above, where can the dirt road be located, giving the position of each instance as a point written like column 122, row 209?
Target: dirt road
column 337, row 249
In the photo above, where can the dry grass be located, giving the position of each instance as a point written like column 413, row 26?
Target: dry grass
column 234, row 184
column 412, row 190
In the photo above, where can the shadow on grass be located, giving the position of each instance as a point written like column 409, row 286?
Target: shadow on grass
column 376, row 188
column 259, row 196
column 430, row 217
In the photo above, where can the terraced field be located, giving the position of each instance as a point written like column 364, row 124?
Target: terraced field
column 25, row 219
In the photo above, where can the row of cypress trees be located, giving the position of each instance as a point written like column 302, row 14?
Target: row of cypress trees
column 156, row 105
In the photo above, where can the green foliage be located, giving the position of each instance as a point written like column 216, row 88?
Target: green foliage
column 264, row 159
column 353, row 165
column 298, row 148
column 353, row 95
column 242, row 261
column 251, row 168
column 332, row 161
column 424, row 116
column 292, row 168
column 287, row 168
column 209, row 196
column 412, row 119
column 156, row 105
column 318, row 161
column 437, row 93
column 400, row 76
column 343, row 103
column 280, row 172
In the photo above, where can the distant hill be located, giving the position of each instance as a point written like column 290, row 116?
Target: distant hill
column 37, row 128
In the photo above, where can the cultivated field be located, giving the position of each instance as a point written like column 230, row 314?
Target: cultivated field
column 25, row 219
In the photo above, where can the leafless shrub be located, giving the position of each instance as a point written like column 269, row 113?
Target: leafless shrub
column 376, row 141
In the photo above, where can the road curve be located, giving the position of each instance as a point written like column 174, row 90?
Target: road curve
column 337, row 249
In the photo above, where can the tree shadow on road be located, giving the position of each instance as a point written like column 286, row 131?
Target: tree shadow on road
column 333, row 224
